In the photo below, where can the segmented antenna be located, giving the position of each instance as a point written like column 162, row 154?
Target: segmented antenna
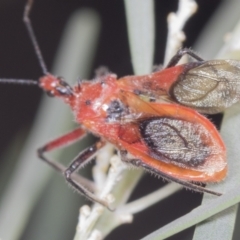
column 19, row 81
column 32, row 36
column 28, row 24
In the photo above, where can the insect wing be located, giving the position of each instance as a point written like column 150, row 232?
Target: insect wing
column 209, row 88
column 177, row 141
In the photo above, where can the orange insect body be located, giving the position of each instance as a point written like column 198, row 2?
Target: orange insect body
column 185, row 144
column 155, row 84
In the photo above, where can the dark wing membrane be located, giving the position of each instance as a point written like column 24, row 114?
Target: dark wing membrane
column 210, row 87
column 177, row 141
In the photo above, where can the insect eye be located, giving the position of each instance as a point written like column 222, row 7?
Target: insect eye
column 62, row 90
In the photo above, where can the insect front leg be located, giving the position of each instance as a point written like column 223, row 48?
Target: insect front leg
column 180, row 53
column 76, row 181
column 140, row 163
column 62, row 141
column 67, row 139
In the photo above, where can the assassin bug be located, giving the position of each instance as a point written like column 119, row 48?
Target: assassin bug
column 173, row 141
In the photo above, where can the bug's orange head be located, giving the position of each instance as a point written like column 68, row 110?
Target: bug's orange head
column 55, row 86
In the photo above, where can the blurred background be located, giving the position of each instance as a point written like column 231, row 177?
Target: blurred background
column 19, row 104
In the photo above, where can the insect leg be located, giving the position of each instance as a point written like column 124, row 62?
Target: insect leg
column 180, row 53
column 32, row 36
column 62, row 141
column 189, row 185
column 83, row 158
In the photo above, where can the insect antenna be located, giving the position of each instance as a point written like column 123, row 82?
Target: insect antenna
column 29, row 82
column 28, row 24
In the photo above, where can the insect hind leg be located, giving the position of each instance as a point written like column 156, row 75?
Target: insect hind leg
column 139, row 163
column 180, row 53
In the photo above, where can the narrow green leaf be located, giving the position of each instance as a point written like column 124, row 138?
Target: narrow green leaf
column 140, row 23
